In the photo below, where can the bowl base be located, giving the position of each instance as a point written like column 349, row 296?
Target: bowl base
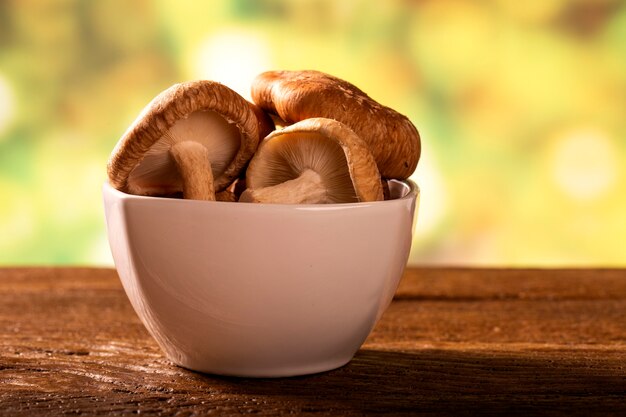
column 265, row 372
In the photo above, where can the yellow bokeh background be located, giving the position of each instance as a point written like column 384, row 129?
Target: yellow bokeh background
column 521, row 107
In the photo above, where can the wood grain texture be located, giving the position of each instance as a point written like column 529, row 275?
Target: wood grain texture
column 454, row 341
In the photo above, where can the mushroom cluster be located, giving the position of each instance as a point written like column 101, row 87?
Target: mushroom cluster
column 331, row 143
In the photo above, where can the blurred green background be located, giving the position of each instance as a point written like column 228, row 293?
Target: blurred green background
column 521, row 107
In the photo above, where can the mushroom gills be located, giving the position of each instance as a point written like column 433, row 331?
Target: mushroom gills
column 160, row 172
column 294, row 96
column 301, row 168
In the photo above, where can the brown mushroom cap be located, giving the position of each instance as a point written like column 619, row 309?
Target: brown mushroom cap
column 298, row 95
column 141, row 162
column 316, row 160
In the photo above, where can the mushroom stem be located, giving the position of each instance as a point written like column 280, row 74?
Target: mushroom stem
column 308, row 188
column 192, row 161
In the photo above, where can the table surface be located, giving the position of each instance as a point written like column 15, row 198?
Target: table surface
column 454, row 341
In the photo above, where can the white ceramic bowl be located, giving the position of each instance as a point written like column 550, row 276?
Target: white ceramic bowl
column 262, row 290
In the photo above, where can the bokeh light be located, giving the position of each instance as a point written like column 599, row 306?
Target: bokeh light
column 232, row 57
column 585, row 163
column 520, row 106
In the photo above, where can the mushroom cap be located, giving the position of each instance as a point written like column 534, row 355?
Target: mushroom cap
column 209, row 102
column 297, row 95
column 330, row 148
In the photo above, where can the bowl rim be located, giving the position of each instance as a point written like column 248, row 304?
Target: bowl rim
column 413, row 191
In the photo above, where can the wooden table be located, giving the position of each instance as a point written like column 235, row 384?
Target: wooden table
column 454, row 341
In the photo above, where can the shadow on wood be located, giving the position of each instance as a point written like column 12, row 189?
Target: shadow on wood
column 450, row 381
